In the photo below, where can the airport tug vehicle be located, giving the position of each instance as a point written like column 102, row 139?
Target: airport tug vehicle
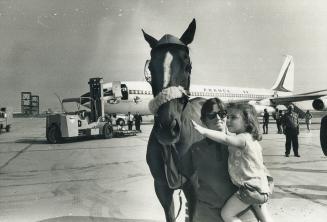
column 81, row 123
column 6, row 116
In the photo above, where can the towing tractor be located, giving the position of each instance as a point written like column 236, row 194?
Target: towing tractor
column 83, row 122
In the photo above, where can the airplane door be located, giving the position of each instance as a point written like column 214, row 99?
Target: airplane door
column 116, row 89
column 124, row 92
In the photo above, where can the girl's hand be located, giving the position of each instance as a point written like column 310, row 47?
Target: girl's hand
column 199, row 128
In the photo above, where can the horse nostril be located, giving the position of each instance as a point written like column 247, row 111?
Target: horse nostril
column 174, row 127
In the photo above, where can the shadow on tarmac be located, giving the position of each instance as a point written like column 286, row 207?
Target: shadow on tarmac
column 92, row 219
column 31, row 141
column 291, row 191
column 298, row 170
column 65, row 140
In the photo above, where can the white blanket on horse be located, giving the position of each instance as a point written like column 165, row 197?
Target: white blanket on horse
column 164, row 96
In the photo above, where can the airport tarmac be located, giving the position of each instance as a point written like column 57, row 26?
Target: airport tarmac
column 109, row 181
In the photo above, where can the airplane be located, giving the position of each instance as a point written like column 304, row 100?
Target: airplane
column 134, row 96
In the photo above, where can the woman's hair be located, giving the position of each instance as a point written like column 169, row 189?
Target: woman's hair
column 250, row 119
column 207, row 107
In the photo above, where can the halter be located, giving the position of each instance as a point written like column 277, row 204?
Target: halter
column 166, row 95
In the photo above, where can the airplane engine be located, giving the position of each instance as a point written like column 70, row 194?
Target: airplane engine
column 264, row 102
column 320, row 104
column 260, row 108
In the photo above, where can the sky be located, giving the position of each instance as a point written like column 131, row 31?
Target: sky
column 55, row 46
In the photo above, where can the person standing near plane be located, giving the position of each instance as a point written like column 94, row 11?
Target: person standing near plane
column 279, row 116
column 308, row 118
column 130, row 121
column 290, row 122
column 113, row 119
column 265, row 121
column 323, row 134
column 138, row 120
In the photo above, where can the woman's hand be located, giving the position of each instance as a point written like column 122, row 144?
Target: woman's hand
column 199, row 128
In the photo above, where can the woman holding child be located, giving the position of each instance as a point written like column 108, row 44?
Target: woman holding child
column 245, row 163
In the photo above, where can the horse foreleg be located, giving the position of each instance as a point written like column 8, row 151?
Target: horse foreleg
column 165, row 196
column 190, row 195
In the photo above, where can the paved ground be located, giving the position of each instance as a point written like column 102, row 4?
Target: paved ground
column 108, row 180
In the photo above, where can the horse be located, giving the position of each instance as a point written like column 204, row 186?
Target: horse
column 172, row 136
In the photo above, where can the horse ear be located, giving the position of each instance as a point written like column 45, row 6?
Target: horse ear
column 188, row 35
column 152, row 41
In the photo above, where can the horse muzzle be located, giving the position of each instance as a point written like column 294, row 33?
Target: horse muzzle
column 168, row 134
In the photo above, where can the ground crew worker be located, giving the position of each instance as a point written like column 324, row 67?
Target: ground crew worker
column 130, row 121
column 308, row 117
column 290, row 123
column 265, row 121
column 279, row 117
column 138, row 120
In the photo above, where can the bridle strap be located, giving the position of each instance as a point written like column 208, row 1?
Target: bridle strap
column 166, row 95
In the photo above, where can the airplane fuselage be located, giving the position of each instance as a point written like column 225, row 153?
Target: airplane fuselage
column 137, row 95
column 134, row 96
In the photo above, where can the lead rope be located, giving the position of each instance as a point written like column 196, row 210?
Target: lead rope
column 180, row 190
column 180, row 203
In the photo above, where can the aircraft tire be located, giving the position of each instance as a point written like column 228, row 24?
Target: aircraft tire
column 120, row 122
column 8, row 128
column 323, row 134
column 107, row 131
column 54, row 134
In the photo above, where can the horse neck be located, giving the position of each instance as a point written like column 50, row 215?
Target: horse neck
column 188, row 134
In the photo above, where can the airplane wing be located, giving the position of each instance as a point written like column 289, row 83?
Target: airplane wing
column 261, row 104
column 307, row 93
column 295, row 98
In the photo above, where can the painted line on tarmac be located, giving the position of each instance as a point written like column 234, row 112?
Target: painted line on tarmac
column 302, row 196
column 77, row 148
column 93, row 218
column 293, row 163
column 95, row 166
column 14, row 157
column 120, row 179
column 298, row 170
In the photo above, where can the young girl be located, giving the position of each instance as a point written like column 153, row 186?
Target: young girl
column 245, row 162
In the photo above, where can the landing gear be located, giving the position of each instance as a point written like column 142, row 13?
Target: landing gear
column 120, row 122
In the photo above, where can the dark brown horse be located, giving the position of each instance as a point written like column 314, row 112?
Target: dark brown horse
column 172, row 136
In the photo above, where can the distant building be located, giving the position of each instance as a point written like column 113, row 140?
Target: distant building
column 30, row 104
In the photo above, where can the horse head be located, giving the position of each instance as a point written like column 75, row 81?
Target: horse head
column 170, row 68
